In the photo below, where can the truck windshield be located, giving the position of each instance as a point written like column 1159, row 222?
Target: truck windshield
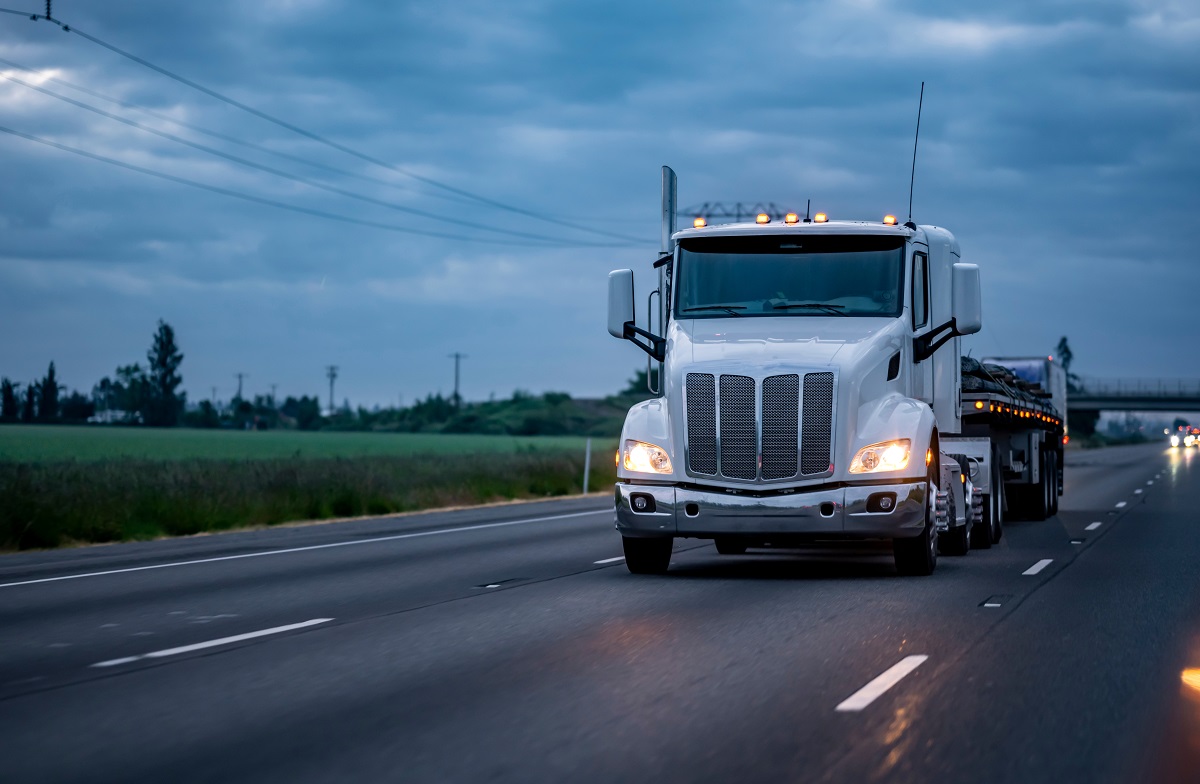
column 719, row 277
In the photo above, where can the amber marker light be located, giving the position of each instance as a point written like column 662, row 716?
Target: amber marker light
column 889, row 220
column 820, row 217
column 699, row 223
column 978, row 404
column 762, row 218
column 791, row 217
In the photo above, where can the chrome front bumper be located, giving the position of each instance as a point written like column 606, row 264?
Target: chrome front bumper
column 838, row 512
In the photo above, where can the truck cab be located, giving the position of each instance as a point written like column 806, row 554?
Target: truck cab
column 808, row 377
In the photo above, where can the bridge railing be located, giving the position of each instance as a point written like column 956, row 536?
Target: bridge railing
column 1137, row 387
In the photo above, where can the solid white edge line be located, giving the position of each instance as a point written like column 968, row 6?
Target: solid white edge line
column 1120, row 504
column 309, row 547
column 1092, row 527
column 876, row 688
column 610, row 560
column 213, row 643
column 1039, row 566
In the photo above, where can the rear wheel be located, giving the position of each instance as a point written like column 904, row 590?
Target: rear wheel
column 956, row 540
column 730, row 546
column 647, row 556
column 996, row 507
column 917, row 556
column 1052, row 476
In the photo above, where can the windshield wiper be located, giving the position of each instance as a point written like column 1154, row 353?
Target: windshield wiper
column 835, row 310
column 730, row 309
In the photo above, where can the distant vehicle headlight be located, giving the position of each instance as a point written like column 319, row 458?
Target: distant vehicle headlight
column 646, row 458
column 884, row 456
column 1174, row 440
column 1189, row 440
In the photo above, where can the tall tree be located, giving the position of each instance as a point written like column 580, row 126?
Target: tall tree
column 1064, row 353
column 29, row 410
column 164, row 357
column 10, row 407
column 48, row 398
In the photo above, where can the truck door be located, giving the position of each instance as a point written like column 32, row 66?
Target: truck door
column 922, row 374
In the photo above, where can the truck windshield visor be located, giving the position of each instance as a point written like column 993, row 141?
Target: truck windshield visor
column 724, row 277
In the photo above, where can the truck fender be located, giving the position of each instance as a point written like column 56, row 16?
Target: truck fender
column 895, row 416
column 648, row 421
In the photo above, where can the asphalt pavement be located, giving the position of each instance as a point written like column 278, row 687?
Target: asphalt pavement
column 509, row 643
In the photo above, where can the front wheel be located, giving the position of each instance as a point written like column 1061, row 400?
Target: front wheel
column 647, row 556
column 918, row 556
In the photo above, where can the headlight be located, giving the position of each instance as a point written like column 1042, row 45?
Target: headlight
column 885, row 456
column 1174, row 440
column 646, row 458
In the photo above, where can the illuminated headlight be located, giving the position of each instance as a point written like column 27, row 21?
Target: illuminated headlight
column 1189, row 440
column 1174, row 440
column 886, row 456
column 646, row 458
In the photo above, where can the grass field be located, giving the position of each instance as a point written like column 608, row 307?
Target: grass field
column 51, row 443
column 69, row 485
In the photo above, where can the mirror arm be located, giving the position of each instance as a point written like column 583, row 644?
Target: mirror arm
column 663, row 260
column 925, row 346
column 657, row 346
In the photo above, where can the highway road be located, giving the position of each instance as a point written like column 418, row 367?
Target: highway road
column 510, row 644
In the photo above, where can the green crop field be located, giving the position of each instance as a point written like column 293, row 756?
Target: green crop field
column 69, row 485
column 49, row 443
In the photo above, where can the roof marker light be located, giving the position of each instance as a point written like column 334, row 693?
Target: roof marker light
column 699, row 223
column 762, row 218
column 889, row 220
column 791, row 217
column 820, row 217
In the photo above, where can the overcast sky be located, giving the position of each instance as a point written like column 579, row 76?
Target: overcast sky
column 1060, row 142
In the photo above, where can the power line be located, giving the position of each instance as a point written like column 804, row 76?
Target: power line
column 321, row 139
column 230, row 139
column 285, row 175
column 257, row 199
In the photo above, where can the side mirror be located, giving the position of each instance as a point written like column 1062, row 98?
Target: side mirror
column 620, row 301
column 966, row 304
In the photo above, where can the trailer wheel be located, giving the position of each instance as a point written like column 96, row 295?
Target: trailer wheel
column 995, row 509
column 917, row 556
column 727, row 546
column 647, row 556
column 1039, row 497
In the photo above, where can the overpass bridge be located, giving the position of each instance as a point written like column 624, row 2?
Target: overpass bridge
column 1138, row 394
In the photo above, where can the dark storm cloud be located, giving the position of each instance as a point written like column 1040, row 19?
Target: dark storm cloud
column 1058, row 143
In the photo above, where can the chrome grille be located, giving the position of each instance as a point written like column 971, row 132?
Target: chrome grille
column 701, row 390
column 739, row 436
column 817, row 423
column 780, row 426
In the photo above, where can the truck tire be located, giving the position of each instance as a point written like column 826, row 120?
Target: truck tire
column 1052, row 476
column 981, row 534
column 1039, row 496
column 647, row 556
column 956, row 541
column 727, row 546
column 917, row 556
column 996, row 508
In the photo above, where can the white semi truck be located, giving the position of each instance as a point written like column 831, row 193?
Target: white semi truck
column 810, row 388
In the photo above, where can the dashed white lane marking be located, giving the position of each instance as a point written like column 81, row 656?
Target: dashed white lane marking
column 991, row 604
column 1138, row 491
column 1120, row 504
column 374, row 540
column 1039, row 566
column 1092, row 527
column 1150, row 482
column 212, row 643
column 610, row 560
column 876, row 688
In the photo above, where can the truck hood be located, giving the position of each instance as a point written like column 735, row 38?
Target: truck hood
column 796, row 340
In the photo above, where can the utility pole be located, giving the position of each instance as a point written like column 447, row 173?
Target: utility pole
column 239, row 377
column 214, row 396
column 458, row 357
column 273, row 393
column 331, row 372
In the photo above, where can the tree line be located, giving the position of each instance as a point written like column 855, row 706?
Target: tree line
column 148, row 395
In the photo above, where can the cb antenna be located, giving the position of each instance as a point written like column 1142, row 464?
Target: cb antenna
column 913, row 175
